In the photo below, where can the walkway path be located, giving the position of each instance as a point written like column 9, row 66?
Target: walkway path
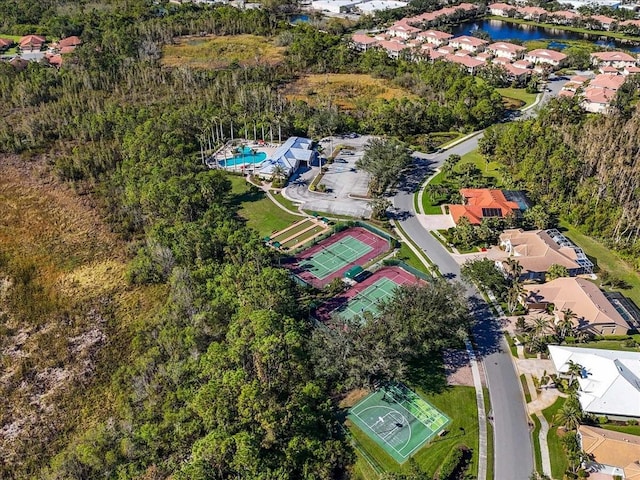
column 482, row 414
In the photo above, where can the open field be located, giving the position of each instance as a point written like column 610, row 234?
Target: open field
column 257, row 209
column 218, row 52
column 606, row 259
column 344, row 90
column 516, row 98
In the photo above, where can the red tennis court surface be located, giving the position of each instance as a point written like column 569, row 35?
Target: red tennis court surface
column 378, row 246
column 397, row 275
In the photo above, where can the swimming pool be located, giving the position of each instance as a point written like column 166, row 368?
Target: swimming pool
column 245, row 155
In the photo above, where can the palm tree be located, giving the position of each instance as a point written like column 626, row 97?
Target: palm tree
column 514, row 269
column 540, row 327
column 564, row 326
column 574, row 370
column 513, row 296
column 278, row 173
column 570, row 415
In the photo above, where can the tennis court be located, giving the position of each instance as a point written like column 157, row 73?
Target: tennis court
column 398, row 420
column 332, row 257
column 367, row 295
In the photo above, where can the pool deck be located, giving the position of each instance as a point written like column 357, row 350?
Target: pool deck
column 228, row 152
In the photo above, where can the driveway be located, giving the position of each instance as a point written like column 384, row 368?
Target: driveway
column 435, row 222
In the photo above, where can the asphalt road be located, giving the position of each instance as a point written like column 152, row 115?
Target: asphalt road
column 513, row 450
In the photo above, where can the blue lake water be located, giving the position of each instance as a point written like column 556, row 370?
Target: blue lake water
column 504, row 31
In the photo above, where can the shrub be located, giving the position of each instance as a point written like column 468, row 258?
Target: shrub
column 603, row 419
column 452, row 464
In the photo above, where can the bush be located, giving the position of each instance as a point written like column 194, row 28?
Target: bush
column 455, row 461
column 632, row 422
column 603, row 420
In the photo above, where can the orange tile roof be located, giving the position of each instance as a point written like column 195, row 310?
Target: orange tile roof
column 477, row 199
column 70, row 41
column 32, row 40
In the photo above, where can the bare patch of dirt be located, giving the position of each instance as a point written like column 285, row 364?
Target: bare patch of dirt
column 353, row 397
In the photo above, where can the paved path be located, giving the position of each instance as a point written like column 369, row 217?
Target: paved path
column 544, row 446
column 482, row 414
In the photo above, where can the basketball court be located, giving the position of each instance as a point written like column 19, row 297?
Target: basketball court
column 398, row 420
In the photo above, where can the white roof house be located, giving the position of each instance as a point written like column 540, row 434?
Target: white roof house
column 380, row 5
column 334, row 6
column 288, row 156
column 610, row 380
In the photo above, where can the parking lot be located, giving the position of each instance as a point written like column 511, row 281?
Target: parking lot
column 344, row 182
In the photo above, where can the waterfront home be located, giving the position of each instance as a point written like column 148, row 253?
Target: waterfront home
column 469, row 44
column 362, row 41
column 31, row 43
column 598, row 99
column 479, row 203
column 531, row 13
column 501, row 9
column 600, row 22
column 471, row 64
column 593, row 312
column 545, row 56
column 563, row 17
column 402, row 29
column 537, row 250
column 607, row 381
column 435, row 37
column 507, row 50
column 612, row 59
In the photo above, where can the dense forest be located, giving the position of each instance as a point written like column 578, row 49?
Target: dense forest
column 581, row 167
column 192, row 357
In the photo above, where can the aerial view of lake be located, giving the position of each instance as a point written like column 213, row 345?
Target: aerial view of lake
column 499, row 30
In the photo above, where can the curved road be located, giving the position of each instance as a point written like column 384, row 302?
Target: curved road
column 513, row 451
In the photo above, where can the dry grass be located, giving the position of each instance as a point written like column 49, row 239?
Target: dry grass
column 344, row 90
column 217, row 52
column 71, row 328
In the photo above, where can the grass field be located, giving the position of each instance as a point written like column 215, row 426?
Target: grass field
column 606, row 259
column 407, row 256
column 630, row 429
column 255, row 207
column 344, row 90
column 285, row 202
column 611, row 344
column 535, row 440
column 559, row 462
column 516, row 98
column 218, row 52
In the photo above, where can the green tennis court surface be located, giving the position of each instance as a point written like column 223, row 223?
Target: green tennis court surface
column 398, row 420
column 336, row 256
column 369, row 299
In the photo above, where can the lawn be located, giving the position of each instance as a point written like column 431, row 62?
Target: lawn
column 407, row 256
column 255, row 207
column 431, row 206
column 219, row 52
column 629, row 429
column 517, row 98
column 611, row 344
column 525, row 388
column 535, row 434
column 606, row 259
column 344, row 90
column 490, row 169
column 559, row 463
column 285, row 202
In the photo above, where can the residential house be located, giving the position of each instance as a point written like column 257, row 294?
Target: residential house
column 403, row 30
column 613, row 59
column 53, row 59
column 471, row 64
column 468, row 44
column 5, row 44
column 435, row 37
column 66, row 45
column 609, row 381
column 19, row 63
column 563, row 17
column 610, row 453
column 288, row 156
column 593, row 311
column 392, row 47
column 373, row 6
column 531, row 13
column 630, row 71
column 545, row 56
column 362, row 41
column 609, row 82
column 31, row 43
column 482, row 203
column 607, row 70
column 517, row 74
column 603, row 22
column 522, row 64
column 537, row 250
column 507, row 50
column 598, row 100
column 501, row 9
column 484, row 56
